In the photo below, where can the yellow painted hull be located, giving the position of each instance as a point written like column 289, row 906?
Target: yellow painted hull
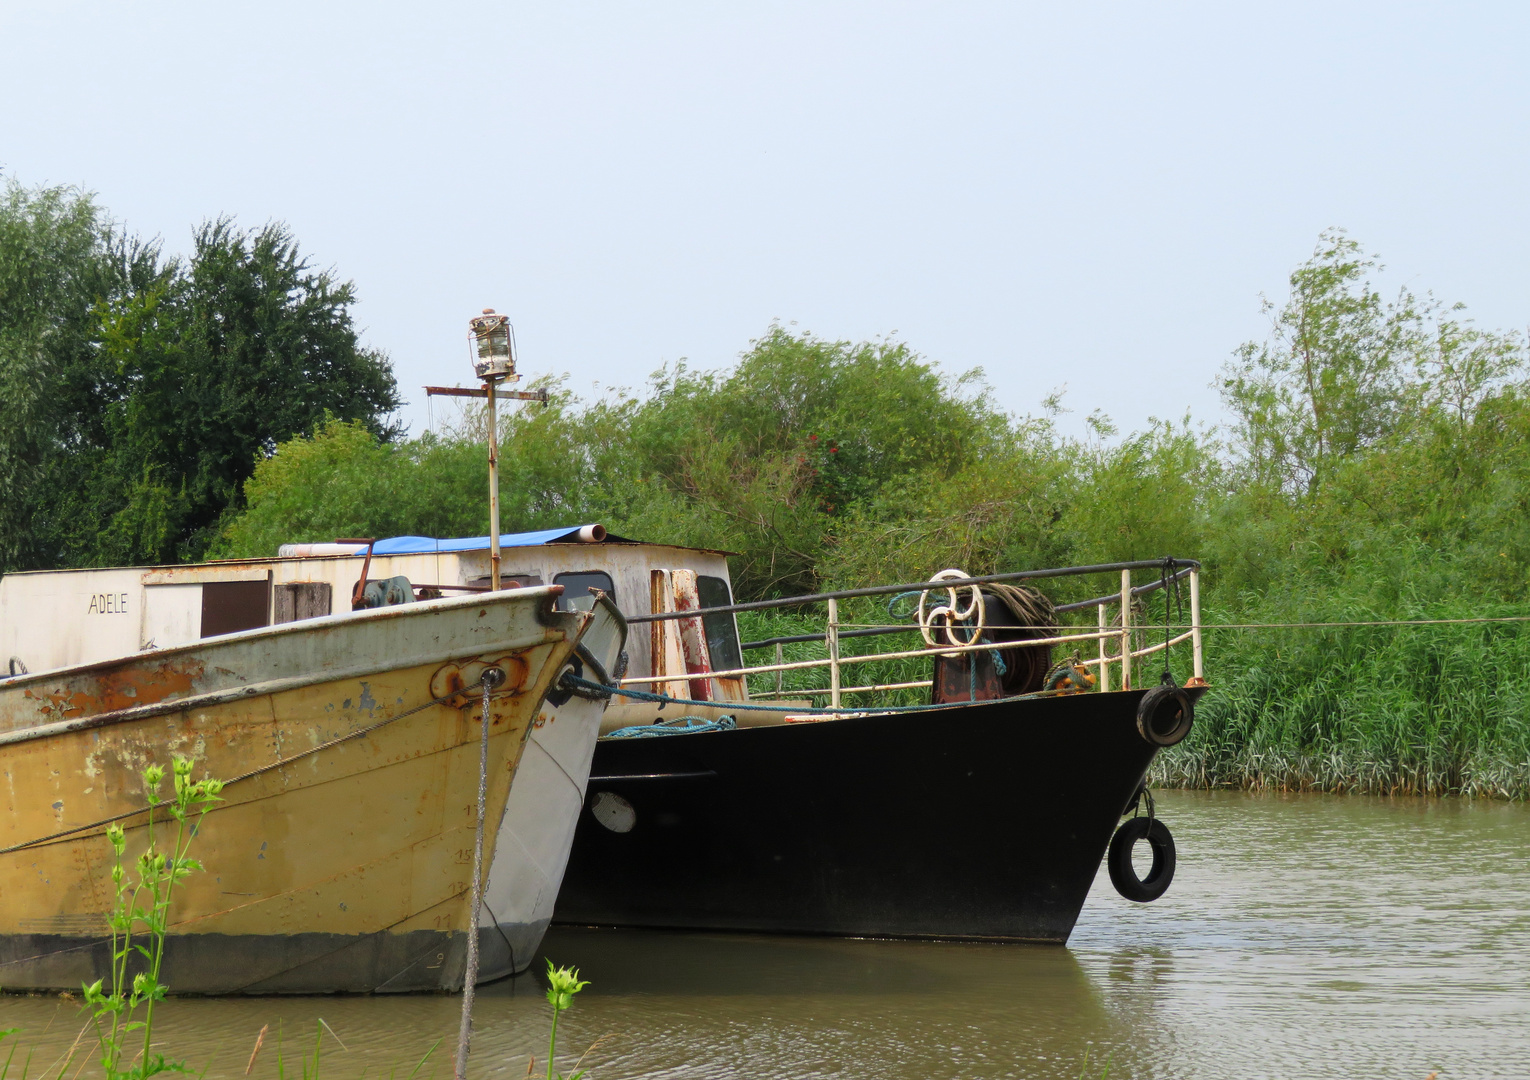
column 341, row 858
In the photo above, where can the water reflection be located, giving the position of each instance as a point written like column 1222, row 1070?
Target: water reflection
column 811, row 1007
column 1304, row 936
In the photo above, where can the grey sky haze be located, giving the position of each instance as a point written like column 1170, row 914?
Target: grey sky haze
column 1089, row 194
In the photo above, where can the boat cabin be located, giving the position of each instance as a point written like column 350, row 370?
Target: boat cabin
column 60, row 618
column 981, row 647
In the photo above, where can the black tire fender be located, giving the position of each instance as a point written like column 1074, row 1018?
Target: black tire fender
column 1123, row 875
column 1165, row 715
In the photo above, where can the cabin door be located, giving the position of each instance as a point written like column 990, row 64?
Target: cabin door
column 180, row 612
column 172, row 615
column 688, row 648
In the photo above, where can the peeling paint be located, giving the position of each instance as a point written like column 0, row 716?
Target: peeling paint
column 343, row 848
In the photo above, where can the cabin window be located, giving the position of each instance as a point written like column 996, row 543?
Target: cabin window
column 231, row 606
column 722, row 631
column 576, row 589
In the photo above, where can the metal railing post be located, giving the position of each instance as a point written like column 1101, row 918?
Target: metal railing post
column 1195, row 622
column 833, row 642
column 780, row 659
column 1104, row 652
column 1126, row 629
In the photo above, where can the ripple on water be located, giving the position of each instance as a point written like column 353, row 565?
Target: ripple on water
column 1305, row 936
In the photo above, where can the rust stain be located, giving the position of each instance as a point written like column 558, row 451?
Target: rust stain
column 124, row 688
column 454, row 677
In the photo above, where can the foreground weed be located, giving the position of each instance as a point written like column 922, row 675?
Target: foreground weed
column 562, row 985
column 10, row 1055
column 415, row 1072
column 141, row 911
column 1083, row 1072
column 311, row 1063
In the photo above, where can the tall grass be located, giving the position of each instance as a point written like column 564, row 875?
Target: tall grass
column 1422, row 710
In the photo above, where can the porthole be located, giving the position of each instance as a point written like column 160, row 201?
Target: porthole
column 613, row 811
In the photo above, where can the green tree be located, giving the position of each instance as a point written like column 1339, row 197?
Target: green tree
column 139, row 391
column 55, row 265
column 1146, row 496
column 769, row 459
column 999, row 512
column 1329, row 381
column 343, row 479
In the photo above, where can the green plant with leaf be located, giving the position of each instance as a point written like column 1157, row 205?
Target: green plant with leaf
column 10, row 1055
column 1084, row 1071
column 562, row 984
column 140, row 918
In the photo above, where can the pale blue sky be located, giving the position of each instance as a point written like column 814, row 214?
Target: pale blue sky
column 1089, row 194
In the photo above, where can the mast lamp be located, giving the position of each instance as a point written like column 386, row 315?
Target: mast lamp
column 493, row 346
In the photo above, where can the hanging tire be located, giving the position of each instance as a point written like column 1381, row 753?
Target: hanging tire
column 1165, row 714
column 1123, row 875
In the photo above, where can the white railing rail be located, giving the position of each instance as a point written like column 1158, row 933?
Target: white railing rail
column 1114, row 642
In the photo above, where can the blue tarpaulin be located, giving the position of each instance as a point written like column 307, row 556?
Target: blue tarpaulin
column 427, row 545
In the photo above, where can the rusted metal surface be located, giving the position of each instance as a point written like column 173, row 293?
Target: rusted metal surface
column 965, row 677
column 454, row 678
column 479, row 392
column 693, row 634
column 665, row 649
column 114, row 688
column 336, row 863
column 366, row 569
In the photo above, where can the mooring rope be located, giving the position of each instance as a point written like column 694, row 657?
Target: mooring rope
column 491, row 678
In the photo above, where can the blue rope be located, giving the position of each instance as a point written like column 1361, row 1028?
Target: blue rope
column 570, row 681
column 681, row 725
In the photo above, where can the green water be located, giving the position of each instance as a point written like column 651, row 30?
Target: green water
column 1305, row 936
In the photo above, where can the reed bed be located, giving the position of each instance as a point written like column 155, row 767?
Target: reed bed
column 1407, row 710
column 1404, row 710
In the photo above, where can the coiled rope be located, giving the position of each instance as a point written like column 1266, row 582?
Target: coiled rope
column 680, row 725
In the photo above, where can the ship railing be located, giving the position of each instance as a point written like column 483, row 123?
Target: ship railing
column 1115, row 647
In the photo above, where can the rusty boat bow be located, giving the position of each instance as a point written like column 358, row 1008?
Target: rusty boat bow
column 340, row 858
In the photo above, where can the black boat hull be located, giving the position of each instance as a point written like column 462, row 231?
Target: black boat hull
column 980, row 821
